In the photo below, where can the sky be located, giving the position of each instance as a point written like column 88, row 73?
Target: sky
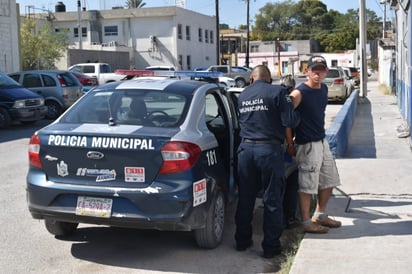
column 231, row 12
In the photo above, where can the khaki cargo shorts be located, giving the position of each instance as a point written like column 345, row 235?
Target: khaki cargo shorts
column 317, row 167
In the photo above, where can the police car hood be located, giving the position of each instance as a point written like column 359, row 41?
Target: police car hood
column 99, row 154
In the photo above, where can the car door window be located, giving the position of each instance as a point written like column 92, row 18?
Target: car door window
column 48, row 81
column 214, row 118
column 88, row 69
column 31, row 80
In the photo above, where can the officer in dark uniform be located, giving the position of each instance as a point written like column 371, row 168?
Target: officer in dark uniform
column 265, row 111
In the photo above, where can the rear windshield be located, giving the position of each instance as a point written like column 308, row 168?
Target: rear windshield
column 129, row 107
column 333, row 73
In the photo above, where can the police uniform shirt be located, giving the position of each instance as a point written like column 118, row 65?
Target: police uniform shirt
column 260, row 106
column 312, row 109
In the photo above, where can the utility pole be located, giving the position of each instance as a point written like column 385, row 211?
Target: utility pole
column 362, row 41
column 79, row 29
column 383, row 2
column 218, row 59
column 247, row 34
column 278, row 46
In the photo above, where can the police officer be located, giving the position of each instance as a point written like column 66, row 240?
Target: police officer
column 265, row 111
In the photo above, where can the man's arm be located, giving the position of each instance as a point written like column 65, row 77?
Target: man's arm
column 296, row 97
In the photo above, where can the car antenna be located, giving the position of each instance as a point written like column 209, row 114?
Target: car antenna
column 111, row 119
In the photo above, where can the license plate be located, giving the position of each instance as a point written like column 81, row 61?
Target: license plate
column 95, row 207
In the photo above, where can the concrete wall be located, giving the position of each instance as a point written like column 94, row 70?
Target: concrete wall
column 403, row 61
column 9, row 31
column 338, row 132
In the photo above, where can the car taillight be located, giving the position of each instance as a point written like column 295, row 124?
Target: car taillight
column 179, row 156
column 61, row 80
column 339, row 81
column 34, row 151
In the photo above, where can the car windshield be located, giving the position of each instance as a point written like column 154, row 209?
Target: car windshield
column 333, row 73
column 129, row 107
column 7, row 82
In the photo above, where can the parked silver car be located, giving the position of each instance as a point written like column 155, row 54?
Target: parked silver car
column 339, row 85
column 59, row 88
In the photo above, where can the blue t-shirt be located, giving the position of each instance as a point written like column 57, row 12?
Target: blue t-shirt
column 312, row 114
column 260, row 111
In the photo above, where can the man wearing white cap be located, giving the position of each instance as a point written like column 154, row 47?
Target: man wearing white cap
column 318, row 174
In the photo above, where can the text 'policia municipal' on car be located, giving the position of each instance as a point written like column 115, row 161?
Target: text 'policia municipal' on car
column 143, row 153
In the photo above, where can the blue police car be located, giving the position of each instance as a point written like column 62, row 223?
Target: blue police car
column 143, row 153
column 152, row 153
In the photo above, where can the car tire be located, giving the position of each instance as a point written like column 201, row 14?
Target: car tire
column 58, row 228
column 5, row 119
column 211, row 235
column 240, row 82
column 53, row 110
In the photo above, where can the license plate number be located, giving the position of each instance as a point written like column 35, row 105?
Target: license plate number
column 95, row 207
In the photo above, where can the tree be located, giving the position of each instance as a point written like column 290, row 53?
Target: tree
column 310, row 19
column 134, row 4
column 42, row 48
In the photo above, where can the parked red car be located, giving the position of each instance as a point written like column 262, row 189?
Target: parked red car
column 87, row 81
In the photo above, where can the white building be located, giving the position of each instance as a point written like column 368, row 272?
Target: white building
column 9, row 32
column 170, row 36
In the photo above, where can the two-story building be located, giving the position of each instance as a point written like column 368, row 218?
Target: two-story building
column 136, row 38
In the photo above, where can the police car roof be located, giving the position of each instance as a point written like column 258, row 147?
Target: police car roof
column 155, row 83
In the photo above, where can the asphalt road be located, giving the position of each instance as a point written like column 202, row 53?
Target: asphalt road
column 27, row 247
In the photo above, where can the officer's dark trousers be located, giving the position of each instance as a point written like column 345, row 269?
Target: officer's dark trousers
column 260, row 165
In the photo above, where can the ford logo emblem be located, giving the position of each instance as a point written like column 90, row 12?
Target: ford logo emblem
column 95, row 155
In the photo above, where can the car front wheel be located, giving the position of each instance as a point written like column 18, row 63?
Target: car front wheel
column 4, row 118
column 211, row 235
column 53, row 110
column 58, row 228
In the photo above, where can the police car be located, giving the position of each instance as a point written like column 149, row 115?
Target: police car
column 142, row 153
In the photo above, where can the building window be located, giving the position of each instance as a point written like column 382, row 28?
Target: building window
column 206, row 36
column 187, row 32
column 200, row 35
column 254, row 48
column 179, row 31
column 188, row 62
column 76, row 32
column 180, row 61
column 211, row 37
column 62, row 30
column 110, row 31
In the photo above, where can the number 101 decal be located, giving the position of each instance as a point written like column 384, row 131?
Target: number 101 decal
column 211, row 157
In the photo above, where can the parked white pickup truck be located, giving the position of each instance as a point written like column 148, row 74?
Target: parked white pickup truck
column 102, row 71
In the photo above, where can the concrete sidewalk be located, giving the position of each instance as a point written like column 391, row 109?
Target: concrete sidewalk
column 374, row 201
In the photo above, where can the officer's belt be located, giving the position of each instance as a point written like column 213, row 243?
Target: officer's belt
column 262, row 141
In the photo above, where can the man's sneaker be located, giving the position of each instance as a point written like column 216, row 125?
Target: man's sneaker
column 326, row 222
column 315, row 228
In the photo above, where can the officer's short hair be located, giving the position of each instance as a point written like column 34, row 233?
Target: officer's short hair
column 262, row 72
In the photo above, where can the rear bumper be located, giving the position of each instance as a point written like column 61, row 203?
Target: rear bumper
column 165, row 210
column 336, row 93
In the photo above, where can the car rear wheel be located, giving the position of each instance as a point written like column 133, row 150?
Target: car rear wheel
column 4, row 118
column 58, row 228
column 210, row 236
column 53, row 110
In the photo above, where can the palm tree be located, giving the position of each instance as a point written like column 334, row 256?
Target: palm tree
column 134, row 4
